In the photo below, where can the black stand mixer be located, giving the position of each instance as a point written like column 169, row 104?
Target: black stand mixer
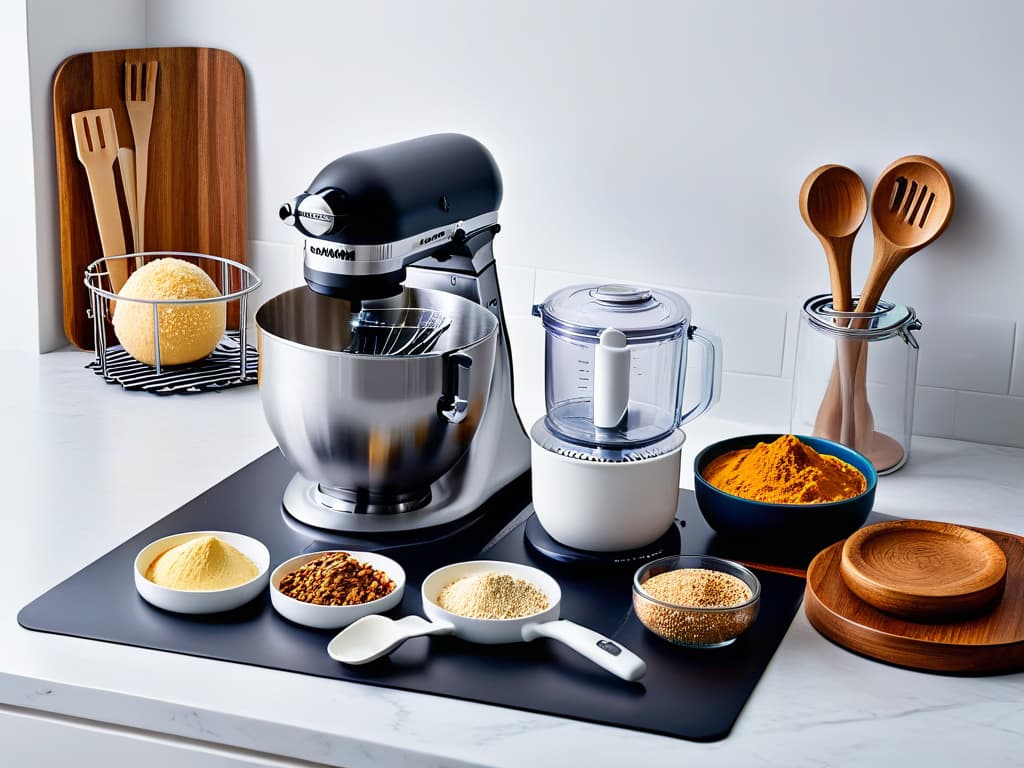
column 388, row 381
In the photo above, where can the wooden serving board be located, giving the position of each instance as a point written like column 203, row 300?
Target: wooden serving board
column 989, row 643
column 196, row 200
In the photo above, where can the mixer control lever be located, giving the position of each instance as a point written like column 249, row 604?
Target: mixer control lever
column 453, row 405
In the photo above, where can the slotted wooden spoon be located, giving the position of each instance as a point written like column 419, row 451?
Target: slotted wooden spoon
column 911, row 205
column 833, row 204
column 96, row 145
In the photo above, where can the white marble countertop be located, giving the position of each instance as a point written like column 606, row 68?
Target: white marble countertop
column 85, row 466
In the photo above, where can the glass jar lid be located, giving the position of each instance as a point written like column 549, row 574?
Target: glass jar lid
column 887, row 320
column 642, row 314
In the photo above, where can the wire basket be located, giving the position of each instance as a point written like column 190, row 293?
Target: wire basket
column 233, row 362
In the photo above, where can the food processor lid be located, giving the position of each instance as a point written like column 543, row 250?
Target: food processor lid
column 642, row 314
column 549, row 440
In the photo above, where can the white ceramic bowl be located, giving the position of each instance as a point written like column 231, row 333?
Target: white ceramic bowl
column 334, row 616
column 208, row 601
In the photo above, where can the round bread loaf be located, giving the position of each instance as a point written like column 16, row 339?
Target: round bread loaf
column 187, row 332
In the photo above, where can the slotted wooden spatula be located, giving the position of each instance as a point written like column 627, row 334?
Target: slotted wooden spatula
column 96, row 145
column 139, row 99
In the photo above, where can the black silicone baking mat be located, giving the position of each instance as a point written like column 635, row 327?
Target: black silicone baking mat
column 687, row 693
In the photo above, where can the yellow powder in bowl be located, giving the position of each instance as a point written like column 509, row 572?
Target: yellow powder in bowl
column 201, row 564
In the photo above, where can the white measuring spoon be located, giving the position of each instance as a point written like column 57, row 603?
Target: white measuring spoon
column 375, row 636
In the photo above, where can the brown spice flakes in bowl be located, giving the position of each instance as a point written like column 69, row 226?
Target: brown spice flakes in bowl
column 696, row 600
column 336, row 578
column 698, row 588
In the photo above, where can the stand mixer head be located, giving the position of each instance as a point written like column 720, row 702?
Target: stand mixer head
column 369, row 214
column 387, row 382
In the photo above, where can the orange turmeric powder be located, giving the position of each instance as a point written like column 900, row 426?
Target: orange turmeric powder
column 785, row 472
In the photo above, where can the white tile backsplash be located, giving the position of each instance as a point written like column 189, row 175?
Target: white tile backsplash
column 761, row 400
column 280, row 267
column 967, row 352
column 753, row 330
column 526, row 337
column 516, row 285
column 933, row 411
column 1017, row 371
column 986, row 418
column 967, row 362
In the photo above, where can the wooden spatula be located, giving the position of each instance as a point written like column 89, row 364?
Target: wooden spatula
column 96, row 144
column 126, row 165
column 139, row 99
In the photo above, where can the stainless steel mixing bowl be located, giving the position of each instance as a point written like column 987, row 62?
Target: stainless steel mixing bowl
column 380, row 427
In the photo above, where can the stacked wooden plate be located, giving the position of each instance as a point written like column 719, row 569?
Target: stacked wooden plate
column 923, row 594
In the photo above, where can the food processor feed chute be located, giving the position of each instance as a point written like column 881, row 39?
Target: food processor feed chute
column 611, row 379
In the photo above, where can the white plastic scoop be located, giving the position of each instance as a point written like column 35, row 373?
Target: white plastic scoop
column 375, row 636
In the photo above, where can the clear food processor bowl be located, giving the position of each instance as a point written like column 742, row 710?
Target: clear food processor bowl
column 615, row 364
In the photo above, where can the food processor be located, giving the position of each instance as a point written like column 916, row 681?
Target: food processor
column 387, row 379
column 606, row 456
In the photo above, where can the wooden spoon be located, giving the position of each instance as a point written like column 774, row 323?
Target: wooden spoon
column 911, row 205
column 833, row 204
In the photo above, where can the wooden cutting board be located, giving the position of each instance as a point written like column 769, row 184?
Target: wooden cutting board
column 196, row 200
column 991, row 642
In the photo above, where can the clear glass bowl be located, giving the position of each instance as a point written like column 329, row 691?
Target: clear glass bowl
column 691, row 626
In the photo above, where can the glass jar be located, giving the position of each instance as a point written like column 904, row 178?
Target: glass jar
column 855, row 379
column 615, row 362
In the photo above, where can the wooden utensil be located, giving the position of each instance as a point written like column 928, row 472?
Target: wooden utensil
column 992, row 642
column 924, row 570
column 911, row 205
column 126, row 164
column 139, row 99
column 96, row 146
column 196, row 169
column 833, row 204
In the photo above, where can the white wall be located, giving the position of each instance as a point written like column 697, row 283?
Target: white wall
column 666, row 142
column 663, row 142
column 57, row 29
column 18, row 309
column 35, row 36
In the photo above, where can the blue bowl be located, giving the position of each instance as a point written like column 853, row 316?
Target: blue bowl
column 798, row 524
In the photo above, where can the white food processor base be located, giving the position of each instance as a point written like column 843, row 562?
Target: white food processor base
column 605, row 506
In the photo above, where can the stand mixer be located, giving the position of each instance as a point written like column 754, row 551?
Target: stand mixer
column 387, row 382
